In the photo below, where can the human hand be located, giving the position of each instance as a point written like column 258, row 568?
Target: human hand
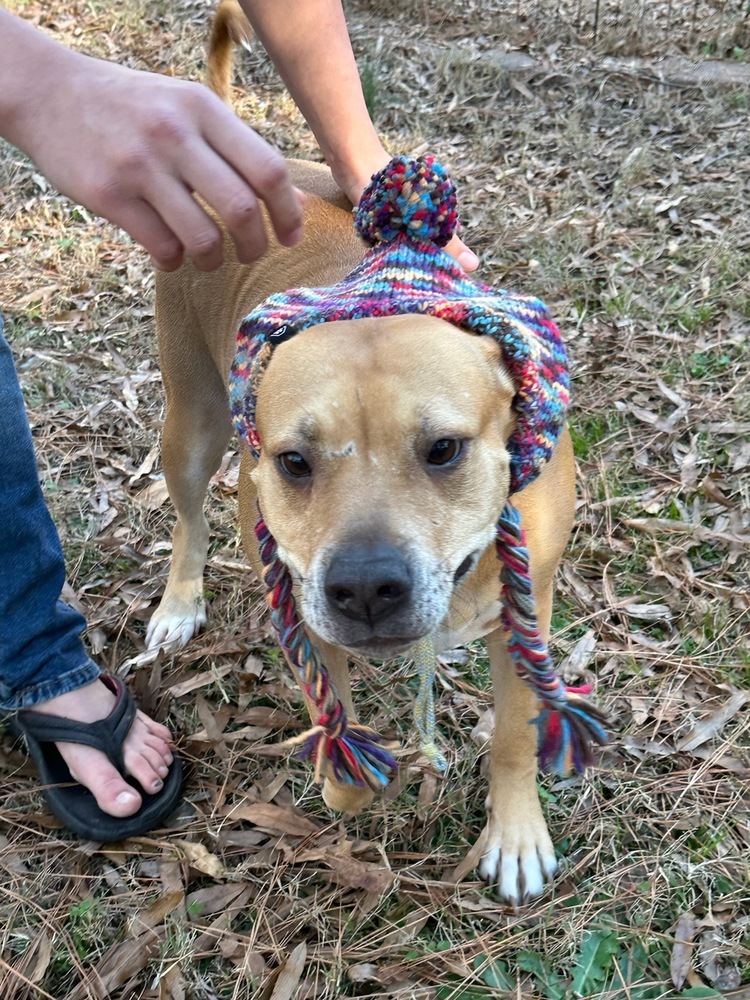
column 465, row 257
column 136, row 148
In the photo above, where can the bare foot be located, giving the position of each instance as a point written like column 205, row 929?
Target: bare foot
column 147, row 750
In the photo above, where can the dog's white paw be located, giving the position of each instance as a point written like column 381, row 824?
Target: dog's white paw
column 174, row 623
column 519, row 859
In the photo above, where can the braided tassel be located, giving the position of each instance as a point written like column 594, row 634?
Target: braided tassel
column 567, row 723
column 356, row 754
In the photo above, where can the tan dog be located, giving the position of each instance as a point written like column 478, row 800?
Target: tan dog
column 383, row 545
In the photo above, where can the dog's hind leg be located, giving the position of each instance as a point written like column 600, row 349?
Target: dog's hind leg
column 196, row 432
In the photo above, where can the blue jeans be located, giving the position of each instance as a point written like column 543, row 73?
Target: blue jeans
column 41, row 653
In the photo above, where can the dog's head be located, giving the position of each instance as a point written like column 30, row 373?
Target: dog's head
column 383, row 470
column 392, row 414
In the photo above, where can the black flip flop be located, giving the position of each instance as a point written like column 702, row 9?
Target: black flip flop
column 73, row 804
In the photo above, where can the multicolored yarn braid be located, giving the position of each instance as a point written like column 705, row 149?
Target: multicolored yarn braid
column 406, row 214
column 356, row 754
column 567, row 723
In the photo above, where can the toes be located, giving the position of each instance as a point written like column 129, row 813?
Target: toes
column 112, row 793
column 147, row 756
column 118, row 798
column 518, row 874
column 148, row 769
column 171, row 631
column 163, row 754
column 155, row 729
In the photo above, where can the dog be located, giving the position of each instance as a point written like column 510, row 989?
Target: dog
column 383, row 469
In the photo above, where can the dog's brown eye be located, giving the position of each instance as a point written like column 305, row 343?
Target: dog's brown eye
column 444, row 451
column 293, row 464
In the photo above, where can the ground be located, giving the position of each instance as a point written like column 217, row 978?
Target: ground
column 615, row 186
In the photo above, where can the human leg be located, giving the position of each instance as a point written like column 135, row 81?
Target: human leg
column 43, row 664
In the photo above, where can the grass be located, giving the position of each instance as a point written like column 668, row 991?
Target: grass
column 622, row 203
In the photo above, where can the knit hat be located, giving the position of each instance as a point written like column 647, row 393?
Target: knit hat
column 406, row 215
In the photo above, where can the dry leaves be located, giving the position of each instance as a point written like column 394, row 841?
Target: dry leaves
column 621, row 200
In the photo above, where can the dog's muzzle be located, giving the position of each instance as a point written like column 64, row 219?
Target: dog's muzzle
column 368, row 583
column 375, row 595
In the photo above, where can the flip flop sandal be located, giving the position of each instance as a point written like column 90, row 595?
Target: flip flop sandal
column 73, row 804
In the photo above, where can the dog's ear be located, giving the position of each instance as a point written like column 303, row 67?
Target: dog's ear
column 494, row 355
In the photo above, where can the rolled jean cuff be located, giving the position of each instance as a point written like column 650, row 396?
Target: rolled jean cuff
column 61, row 684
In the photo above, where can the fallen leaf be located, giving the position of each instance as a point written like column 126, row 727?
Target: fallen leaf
column 426, row 797
column 711, row 725
column 245, row 733
column 200, row 858
column 362, row 972
column 214, row 898
column 639, row 708
column 37, row 295
column 12, row 861
column 41, row 953
column 680, row 961
column 199, row 680
column 275, row 818
column 648, row 612
column 146, row 465
column 172, row 984
column 154, row 496
column 716, row 961
column 154, row 914
column 370, row 876
column 290, row 974
column 572, row 666
column 123, row 961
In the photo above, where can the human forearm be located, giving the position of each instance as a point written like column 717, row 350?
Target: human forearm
column 30, row 62
column 309, row 44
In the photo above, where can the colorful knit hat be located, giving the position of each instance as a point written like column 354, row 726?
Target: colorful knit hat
column 406, row 214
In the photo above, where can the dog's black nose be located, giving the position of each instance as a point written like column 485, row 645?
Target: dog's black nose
column 368, row 583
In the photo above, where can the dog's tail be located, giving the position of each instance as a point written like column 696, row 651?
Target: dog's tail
column 230, row 27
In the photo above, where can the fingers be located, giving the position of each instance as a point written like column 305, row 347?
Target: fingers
column 211, row 153
column 234, row 201
column 465, row 257
column 250, row 166
column 192, row 229
column 148, row 228
column 166, row 149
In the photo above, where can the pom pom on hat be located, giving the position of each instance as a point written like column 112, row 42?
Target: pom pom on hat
column 412, row 198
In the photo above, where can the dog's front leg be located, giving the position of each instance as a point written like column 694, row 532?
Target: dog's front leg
column 519, row 857
column 196, row 432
